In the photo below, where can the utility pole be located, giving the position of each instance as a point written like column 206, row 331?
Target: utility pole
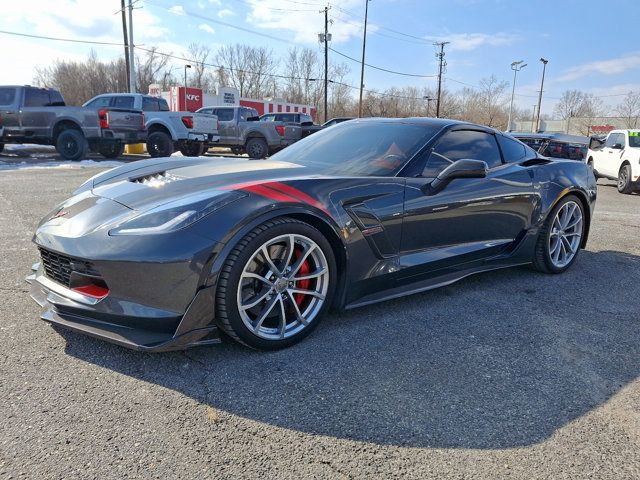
column 123, row 11
column 132, row 58
column 544, row 67
column 516, row 67
column 440, row 56
column 364, row 43
column 325, row 38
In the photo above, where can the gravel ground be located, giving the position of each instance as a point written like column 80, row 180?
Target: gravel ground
column 510, row 374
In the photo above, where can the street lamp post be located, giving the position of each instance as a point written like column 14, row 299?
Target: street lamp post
column 516, row 67
column 544, row 68
column 185, row 86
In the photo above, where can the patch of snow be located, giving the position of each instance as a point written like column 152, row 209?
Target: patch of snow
column 16, row 147
column 65, row 164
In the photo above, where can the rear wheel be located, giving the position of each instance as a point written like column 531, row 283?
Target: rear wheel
column 257, row 148
column 72, row 145
column 624, row 179
column 111, row 150
column 192, row 149
column 276, row 284
column 560, row 237
column 159, row 144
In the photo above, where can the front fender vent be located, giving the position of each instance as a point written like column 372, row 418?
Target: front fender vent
column 155, row 179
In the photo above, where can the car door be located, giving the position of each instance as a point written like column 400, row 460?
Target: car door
column 469, row 218
column 36, row 119
column 226, row 125
column 607, row 159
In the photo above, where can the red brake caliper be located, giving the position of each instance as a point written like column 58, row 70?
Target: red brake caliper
column 302, row 284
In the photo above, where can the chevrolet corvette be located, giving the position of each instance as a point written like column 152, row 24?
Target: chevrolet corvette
column 171, row 253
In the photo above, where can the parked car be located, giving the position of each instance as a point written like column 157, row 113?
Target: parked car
column 242, row 132
column 335, row 121
column 190, row 133
column 556, row 145
column 304, row 120
column 617, row 158
column 39, row 115
column 161, row 255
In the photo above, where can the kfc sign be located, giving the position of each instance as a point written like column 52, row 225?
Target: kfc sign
column 189, row 99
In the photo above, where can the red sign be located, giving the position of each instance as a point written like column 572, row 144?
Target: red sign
column 601, row 128
column 192, row 97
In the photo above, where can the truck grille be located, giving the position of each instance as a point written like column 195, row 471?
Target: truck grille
column 58, row 267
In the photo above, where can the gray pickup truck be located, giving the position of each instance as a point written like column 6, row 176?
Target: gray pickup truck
column 241, row 130
column 190, row 133
column 39, row 115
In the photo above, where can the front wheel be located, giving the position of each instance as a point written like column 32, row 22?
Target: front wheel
column 257, row 148
column 624, row 179
column 276, row 284
column 560, row 237
column 111, row 150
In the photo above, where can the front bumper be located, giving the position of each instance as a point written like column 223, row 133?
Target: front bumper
column 63, row 307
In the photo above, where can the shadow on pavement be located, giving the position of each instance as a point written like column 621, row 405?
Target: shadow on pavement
column 499, row 360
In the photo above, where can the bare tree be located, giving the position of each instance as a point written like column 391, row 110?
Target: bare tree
column 150, row 69
column 629, row 109
column 249, row 69
column 201, row 77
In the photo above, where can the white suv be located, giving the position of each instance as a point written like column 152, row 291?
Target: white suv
column 618, row 159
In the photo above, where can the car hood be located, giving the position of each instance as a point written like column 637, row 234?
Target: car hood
column 147, row 184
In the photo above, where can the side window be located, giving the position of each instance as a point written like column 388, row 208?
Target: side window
column 306, row 118
column 244, row 114
column 512, row 150
column 36, row 97
column 100, row 102
column 611, row 140
column 288, row 117
column 150, row 104
column 55, row 99
column 224, row 114
column 459, row 145
column 163, row 105
column 268, row 118
column 621, row 140
column 123, row 102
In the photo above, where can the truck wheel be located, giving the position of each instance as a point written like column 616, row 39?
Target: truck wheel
column 111, row 150
column 72, row 145
column 159, row 144
column 624, row 179
column 257, row 148
column 192, row 149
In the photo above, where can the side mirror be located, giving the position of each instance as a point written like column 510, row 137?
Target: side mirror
column 465, row 168
column 617, row 146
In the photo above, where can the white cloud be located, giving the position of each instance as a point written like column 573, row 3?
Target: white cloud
column 206, row 28
column 303, row 21
column 471, row 41
column 613, row 66
column 177, row 10
column 215, row 2
column 225, row 12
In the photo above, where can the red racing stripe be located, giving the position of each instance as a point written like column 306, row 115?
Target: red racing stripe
column 269, row 193
column 298, row 194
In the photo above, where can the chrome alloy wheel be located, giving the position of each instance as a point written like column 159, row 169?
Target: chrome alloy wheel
column 566, row 234
column 283, row 286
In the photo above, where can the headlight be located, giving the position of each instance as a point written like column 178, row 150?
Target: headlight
column 175, row 215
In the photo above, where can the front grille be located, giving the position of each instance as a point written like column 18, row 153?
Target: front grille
column 58, row 267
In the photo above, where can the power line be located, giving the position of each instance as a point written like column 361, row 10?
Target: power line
column 380, row 68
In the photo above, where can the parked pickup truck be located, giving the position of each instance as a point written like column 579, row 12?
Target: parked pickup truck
column 617, row 158
column 242, row 132
column 190, row 133
column 304, row 120
column 39, row 115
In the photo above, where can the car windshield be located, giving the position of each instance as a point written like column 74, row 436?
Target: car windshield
column 360, row 148
column 634, row 139
column 7, row 96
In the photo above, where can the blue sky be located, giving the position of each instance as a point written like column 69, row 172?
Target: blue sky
column 601, row 56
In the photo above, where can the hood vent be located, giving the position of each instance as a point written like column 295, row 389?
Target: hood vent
column 156, row 179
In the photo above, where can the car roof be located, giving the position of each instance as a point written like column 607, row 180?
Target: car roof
column 559, row 137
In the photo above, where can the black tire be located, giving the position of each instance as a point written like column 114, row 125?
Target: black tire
column 227, row 311
column 257, row 148
column 1, row 147
column 542, row 257
column 111, row 150
column 192, row 149
column 71, row 145
column 595, row 172
column 624, row 179
column 159, row 144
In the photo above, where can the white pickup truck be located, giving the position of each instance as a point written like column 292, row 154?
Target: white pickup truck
column 190, row 133
column 617, row 158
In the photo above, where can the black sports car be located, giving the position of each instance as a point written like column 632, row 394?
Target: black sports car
column 167, row 253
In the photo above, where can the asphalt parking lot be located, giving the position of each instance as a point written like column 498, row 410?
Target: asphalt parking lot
column 509, row 374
